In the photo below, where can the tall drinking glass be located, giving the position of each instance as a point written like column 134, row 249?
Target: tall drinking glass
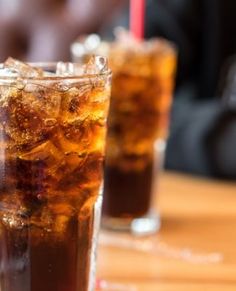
column 52, row 135
column 138, row 126
column 141, row 97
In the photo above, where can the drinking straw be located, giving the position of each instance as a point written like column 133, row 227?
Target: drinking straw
column 137, row 12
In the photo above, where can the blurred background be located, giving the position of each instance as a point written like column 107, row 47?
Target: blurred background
column 203, row 123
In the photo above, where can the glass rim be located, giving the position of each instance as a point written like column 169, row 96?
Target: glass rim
column 49, row 65
column 165, row 45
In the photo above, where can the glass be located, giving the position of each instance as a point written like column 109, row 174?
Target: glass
column 52, row 139
column 141, row 97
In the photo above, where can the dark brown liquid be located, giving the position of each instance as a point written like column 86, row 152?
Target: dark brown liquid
column 48, row 264
column 127, row 194
column 51, row 157
column 51, row 263
column 140, row 103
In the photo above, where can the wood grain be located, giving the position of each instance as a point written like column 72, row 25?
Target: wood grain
column 198, row 215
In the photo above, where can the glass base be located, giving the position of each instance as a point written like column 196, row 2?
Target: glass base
column 141, row 226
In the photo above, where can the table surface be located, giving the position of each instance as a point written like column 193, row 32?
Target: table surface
column 195, row 248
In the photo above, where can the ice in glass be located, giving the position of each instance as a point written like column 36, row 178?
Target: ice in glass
column 143, row 78
column 141, row 97
column 52, row 135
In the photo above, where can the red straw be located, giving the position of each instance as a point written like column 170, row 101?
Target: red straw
column 137, row 12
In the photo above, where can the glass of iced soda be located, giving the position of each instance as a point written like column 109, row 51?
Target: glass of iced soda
column 52, row 135
column 141, row 97
column 138, row 126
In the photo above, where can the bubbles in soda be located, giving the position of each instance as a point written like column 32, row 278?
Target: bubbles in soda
column 52, row 137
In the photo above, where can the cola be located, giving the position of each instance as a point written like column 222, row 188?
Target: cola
column 141, row 97
column 52, row 135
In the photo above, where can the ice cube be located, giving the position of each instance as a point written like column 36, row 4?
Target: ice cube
column 75, row 103
column 45, row 158
column 25, row 127
column 7, row 94
column 22, row 69
column 46, row 151
column 96, row 65
column 86, row 176
column 43, row 99
column 6, row 72
column 38, row 172
column 84, row 102
column 65, row 69
column 74, row 160
column 78, row 132
column 82, row 120
column 29, row 116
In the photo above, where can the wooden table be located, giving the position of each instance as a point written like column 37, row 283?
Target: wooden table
column 197, row 215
